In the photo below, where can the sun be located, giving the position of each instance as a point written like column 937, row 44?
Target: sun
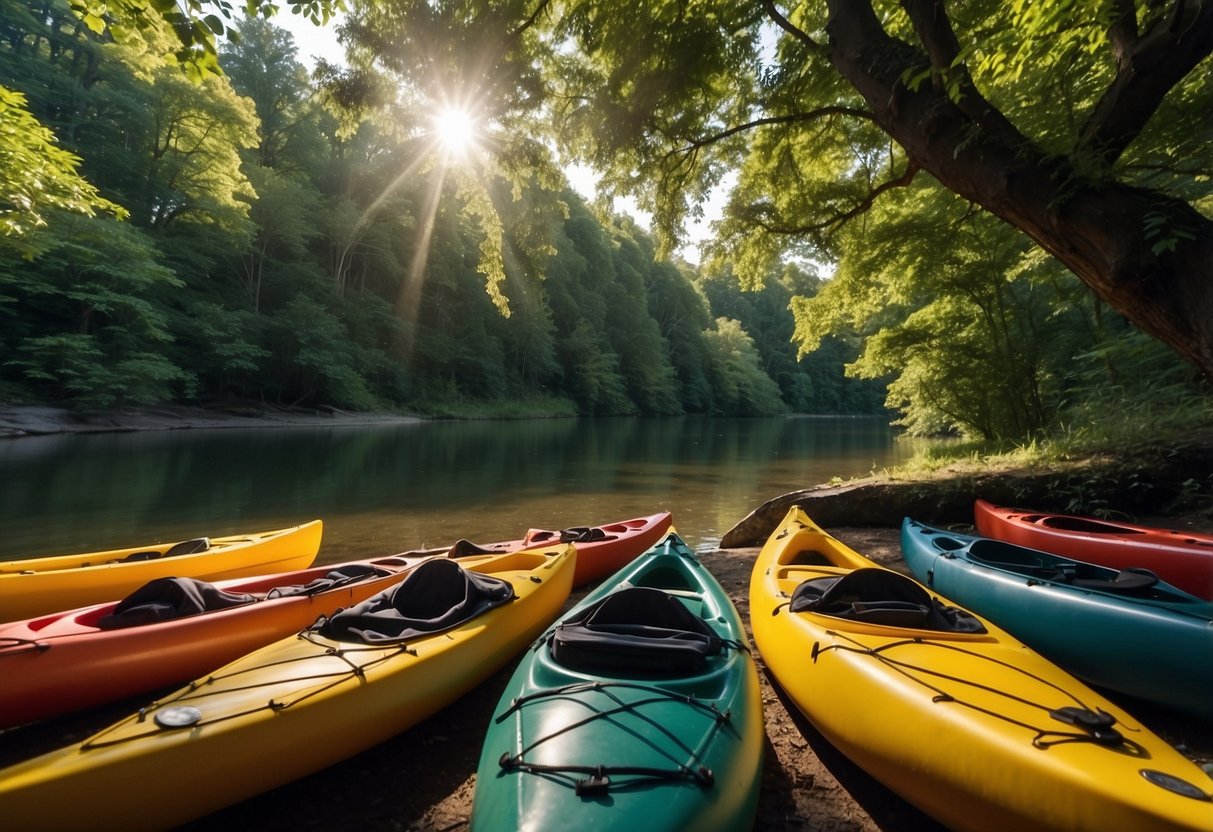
column 455, row 131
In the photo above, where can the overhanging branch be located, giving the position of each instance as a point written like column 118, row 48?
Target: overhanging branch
column 842, row 217
column 685, row 156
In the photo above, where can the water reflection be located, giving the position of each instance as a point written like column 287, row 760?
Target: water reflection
column 381, row 488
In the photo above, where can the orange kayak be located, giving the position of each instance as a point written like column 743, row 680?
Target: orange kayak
column 168, row 631
column 1181, row 558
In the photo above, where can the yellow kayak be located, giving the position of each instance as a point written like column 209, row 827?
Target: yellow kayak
column 36, row 586
column 300, row 704
column 951, row 712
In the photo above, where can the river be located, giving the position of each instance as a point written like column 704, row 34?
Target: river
column 386, row 488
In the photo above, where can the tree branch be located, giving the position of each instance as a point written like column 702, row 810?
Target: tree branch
column 1122, row 34
column 934, row 30
column 792, row 118
column 838, row 219
column 684, row 157
column 1171, row 47
column 785, row 24
column 930, row 21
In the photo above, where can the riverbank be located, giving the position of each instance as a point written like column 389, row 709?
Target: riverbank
column 40, row 420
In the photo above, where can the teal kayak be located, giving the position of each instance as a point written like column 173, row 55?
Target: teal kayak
column 1124, row 630
column 639, row 708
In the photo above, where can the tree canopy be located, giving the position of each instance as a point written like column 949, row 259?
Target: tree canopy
column 260, row 243
column 1080, row 124
column 1007, row 195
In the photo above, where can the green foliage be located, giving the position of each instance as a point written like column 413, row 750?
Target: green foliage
column 37, row 175
column 73, row 366
column 740, row 386
column 279, row 253
column 84, row 324
column 1062, row 119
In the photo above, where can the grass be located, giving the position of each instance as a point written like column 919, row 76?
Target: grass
column 1112, row 424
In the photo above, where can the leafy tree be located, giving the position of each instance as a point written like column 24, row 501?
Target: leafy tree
column 944, row 295
column 37, row 175
column 84, row 324
column 263, row 66
column 683, row 318
column 739, row 385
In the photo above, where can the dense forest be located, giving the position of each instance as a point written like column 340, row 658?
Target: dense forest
column 268, row 250
column 994, row 223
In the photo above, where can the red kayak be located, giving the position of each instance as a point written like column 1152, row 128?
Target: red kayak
column 1183, row 559
column 175, row 629
column 601, row 550
column 168, row 630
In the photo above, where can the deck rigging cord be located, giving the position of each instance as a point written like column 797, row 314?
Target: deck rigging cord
column 598, row 776
column 1096, row 724
column 196, row 690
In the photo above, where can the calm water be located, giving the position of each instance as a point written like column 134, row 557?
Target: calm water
column 386, row 488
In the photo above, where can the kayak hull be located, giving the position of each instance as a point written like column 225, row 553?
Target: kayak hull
column 1153, row 644
column 37, row 586
column 277, row 714
column 647, row 739
column 958, row 723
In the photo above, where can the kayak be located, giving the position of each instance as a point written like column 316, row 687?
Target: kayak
column 639, row 709
column 1124, row 630
column 301, row 703
column 76, row 659
column 167, row 632
column 35, row 586
column 951, row 712
column 601, row 550
column 1181, row 558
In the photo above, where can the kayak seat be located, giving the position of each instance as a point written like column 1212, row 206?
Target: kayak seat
column 881, row 596
column 1130, row 581
column 438, row 595
column 164, row 599
column 185, row 547
column 637, row 631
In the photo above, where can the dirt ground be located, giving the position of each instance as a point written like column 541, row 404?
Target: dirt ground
column 422, row 780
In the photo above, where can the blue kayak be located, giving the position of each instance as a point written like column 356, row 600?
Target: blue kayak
column 1124, row 630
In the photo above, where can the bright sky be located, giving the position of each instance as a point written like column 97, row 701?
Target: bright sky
column 317, row 41
column 313, row 41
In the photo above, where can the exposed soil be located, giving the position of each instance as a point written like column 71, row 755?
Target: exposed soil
column 423, row 779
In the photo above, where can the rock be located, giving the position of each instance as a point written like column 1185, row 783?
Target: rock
column 1150, row 480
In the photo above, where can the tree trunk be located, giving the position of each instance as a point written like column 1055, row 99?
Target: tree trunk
column 1146, row 254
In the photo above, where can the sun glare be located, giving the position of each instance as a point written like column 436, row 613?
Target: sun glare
column 455, row 131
